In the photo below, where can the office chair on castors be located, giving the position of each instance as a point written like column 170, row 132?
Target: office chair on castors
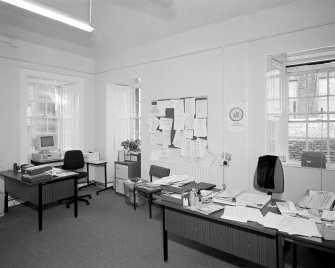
column 269, row 175
column 74, row 160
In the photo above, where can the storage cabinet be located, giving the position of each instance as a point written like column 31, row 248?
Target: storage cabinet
column 123, row 171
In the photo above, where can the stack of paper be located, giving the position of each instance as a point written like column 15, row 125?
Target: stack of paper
column 242, row 214
column 242, row 198
column 291, row 225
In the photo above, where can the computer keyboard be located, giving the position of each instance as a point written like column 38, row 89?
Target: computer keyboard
column 321, row 201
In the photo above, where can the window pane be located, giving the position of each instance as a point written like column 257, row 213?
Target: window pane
column 40, row 109
column 297, row 129
column 332, row 151
column 315, row 104
column 52, row 125
column 323, row 84
column 311, row 85
column 314, row 129
column 297, row 105
column 331, row 104
column 41, row 125
column 317, row 145
column 51, row 109
column 332, row 83
column 293, row 89
column 332, row 130
column 273, row 106
column 295, row 148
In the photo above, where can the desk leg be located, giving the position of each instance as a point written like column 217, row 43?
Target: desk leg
column 40, row 206
column 6, row 202
column 165, row 238
column 294, row 253
column 75, row 197
column 105, row 166
column 134, row 195
column 150, row 203
column 280, row 251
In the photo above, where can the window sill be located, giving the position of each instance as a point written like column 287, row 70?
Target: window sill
column 293, row 165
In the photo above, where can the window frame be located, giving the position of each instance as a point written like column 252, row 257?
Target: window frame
column 25, row 76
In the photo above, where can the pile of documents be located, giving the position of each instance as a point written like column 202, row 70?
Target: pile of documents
column 176, row 187
column 242, row 198
column 36, row 173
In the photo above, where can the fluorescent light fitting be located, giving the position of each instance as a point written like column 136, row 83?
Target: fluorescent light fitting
column 51, row 13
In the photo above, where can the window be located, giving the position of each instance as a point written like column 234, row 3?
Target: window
column 301, row 109
column 128, row 113
column 52, row 109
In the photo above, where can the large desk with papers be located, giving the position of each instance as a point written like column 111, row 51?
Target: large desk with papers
column 41, row 193
column 249, row 241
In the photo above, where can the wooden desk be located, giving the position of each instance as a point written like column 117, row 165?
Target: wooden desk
column 40, row 193
column 248, row 241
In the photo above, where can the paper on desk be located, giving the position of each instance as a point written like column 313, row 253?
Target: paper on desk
column 291, row 225
column 242, row 214
column 328, row 215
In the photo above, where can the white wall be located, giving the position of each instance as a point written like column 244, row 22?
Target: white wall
column 225, row 61
column 35, row 57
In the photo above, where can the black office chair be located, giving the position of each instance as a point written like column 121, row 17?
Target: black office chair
column 74, row 160
column 154, row 172
column 269, row 175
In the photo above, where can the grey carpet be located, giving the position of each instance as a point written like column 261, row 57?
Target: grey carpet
column 107, row 233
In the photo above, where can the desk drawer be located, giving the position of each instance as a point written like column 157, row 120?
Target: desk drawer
column 121, row 171
column 119, row 187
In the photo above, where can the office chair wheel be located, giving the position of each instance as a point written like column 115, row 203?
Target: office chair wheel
column 90, row 197
column 87, row 203
column 67, row 206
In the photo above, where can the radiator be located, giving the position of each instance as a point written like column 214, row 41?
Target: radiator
column 198, row 172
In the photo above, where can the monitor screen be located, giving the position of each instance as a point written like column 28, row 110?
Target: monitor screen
column 46, row 142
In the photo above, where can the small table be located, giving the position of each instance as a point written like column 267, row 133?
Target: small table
column 100, row 163
column 41, row 193
column 148, row 192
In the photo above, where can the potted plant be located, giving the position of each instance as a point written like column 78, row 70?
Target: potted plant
column 131, row 145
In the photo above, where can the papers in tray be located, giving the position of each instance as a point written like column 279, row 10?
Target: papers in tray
column 243, row 199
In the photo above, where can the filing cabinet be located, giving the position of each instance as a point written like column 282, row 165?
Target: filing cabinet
column 123, row 171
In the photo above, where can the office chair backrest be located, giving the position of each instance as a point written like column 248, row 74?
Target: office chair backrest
column 158, row 172
column 73, row 159
column 269, row 175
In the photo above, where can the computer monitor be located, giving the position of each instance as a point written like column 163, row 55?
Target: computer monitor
column 46, row 142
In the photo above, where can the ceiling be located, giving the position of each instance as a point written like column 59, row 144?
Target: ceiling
column 122, row 23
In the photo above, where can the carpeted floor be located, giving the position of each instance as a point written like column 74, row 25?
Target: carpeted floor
column 107, row 233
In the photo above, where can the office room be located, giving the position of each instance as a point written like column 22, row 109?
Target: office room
column 271, row 62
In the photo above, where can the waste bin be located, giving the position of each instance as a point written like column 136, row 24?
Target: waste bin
column 2, row 204
column 129, row 192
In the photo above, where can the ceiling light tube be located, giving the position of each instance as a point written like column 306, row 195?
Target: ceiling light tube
column 51, row 13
